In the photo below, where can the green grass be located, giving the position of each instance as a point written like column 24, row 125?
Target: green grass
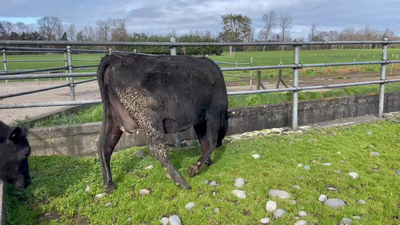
column 95, row 113
column 259, row 59
column 57, row 194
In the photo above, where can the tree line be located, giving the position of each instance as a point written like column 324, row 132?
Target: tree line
column 236, row 28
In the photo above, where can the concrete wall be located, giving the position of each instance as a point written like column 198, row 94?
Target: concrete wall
column 81, row 140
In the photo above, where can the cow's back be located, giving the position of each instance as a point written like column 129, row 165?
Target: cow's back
column 179, row 88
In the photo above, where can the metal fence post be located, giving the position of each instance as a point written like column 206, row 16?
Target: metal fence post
column 178, row 138
column 251, row 75
column 5, row 62
column 383, row 78
column 66, row 64
column 70, row 70
column 295, row 85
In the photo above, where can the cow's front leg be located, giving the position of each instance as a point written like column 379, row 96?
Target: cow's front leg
column 159, row 151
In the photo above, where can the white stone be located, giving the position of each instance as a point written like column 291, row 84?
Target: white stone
column 100, row 195
column 239, row 194
column 217, row 210
column 239, row 183
column 164, row 221
column 327, row 164
column 278, row 193
column 301, row 222
column 361, row 202
column 144, row 192
column 322, row 198
column 279, row 213
column 293, row 202
column 87, row 189
column 374, row 153
column 307, row 168
column 297, row 187
column 256, row 156
column 302, row 214
column 338, row 153
column 108, row 204
column 335, row 203
column 190, row 205
column 271, row 206
column 299, row 165
column 129, row 219
column 213, row 184
column 345, row 221
column 353, row 175
column 265, row 220
column 175, row 220
column 206, row 181
column 149, row 167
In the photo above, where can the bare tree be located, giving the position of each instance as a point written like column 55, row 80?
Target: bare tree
column 71, row 32
column 285, row 25
column 207, row 34
column 48, row 26
column 21, row 27
column 270, row 23
column 59, row 31
column 118, row 30
column 8, row 27
column 103, row 29
column 313, row 32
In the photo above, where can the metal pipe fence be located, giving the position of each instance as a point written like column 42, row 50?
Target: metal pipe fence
column 296, row 66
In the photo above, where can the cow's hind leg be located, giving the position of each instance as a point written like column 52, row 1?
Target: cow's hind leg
column 208, row 143
column 109, row 137
column 155, row 133
column 201, row 130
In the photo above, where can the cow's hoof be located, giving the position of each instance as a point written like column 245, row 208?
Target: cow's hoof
column 193, row 170
column 110, row 188
column 209, row 162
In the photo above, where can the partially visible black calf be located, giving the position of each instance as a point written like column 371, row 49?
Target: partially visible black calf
column 14, row 153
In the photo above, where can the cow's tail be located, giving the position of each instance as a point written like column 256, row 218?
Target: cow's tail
column 104, row 64
column 232, row 114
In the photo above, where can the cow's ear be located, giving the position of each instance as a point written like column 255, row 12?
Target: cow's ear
column 16, row 133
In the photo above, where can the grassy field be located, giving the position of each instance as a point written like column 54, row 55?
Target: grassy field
column 95, row 113
column 57, row 194
column 259, row 59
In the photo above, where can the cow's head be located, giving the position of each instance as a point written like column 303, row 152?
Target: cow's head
column 14, row 153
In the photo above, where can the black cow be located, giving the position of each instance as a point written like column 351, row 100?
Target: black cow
column 160, row 95
column 14, row 153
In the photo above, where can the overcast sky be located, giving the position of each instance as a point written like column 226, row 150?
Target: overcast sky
column 163, row 16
